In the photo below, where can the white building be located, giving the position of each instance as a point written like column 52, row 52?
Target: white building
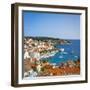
column 26, row 55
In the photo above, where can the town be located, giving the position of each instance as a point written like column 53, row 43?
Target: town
column 35, row 50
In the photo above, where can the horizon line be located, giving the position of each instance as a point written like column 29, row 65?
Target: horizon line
column 54, row 37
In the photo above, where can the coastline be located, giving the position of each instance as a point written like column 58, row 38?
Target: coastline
column 36, row 62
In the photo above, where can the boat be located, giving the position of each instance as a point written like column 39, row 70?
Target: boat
column 65, row 52
column 62, row 49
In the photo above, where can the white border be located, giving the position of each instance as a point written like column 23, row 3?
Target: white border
column 59, row 78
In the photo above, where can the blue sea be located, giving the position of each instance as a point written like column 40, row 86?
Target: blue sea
column 71, row 52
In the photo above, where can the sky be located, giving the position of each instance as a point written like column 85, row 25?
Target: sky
column 64, row 26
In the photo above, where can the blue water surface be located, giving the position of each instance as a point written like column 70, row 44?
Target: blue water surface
column 71, row 52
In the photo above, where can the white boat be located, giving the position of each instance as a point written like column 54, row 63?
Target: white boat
column 76, row 56
column 65, row 53
column 62, row 49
